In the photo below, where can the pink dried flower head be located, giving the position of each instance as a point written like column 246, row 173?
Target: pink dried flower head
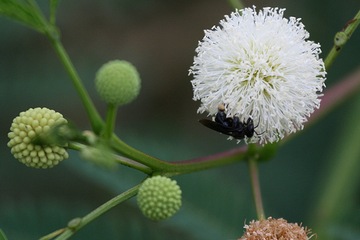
column 275, row 229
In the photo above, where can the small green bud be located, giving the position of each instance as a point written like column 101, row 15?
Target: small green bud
column 340, row 39
column 117, row 82
column 74, row 223
column 26, row 128
column 90, row 137
column 159, row 198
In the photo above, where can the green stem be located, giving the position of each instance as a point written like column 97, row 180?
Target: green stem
column 132, row 153
column 341, row 39
column 255, row 184
column 116, row 158
column 133, row 164
column 110, row 121
column 52, row 235
column 171, row 168
column 95, row 119
column 99, row 211
column 203, row 163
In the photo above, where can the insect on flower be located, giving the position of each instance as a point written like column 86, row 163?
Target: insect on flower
column 230, row 126
column 250, row 61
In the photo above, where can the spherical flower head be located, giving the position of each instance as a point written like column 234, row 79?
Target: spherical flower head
column 25, row 128
column 159, row 198
column 117, row 82
column 259, row 65
column 269, row 229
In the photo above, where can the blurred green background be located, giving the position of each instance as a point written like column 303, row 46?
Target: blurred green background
column 160, row 37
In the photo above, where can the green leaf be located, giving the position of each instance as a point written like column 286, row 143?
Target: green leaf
column 27, row 13
column 2, row 235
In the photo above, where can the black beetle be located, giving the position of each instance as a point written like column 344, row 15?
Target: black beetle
column 230, row 126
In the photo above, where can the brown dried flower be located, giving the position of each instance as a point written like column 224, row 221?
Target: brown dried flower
column 275, row 229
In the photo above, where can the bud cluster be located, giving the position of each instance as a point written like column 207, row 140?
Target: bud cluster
column 159, row 198
column 25, row 128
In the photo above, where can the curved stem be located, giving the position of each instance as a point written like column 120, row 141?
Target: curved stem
column 203, row 163
column 132, row 153
column 133, row 164
column 255, row 184
column 98, row 212
column 96, row 121
column 182, row 167
column 116, row 158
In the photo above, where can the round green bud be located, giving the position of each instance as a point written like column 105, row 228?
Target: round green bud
column 159, row 198
column 25, row 128
column 74, row 223
column 340, row 39
column 117, row 82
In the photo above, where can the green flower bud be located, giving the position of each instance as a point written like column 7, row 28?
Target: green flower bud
column 340, row 39
column 117, row 82
column 159, row 198
column 25, row 128
column 74, row 223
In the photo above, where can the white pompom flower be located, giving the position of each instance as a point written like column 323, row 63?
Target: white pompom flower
column 259, row 65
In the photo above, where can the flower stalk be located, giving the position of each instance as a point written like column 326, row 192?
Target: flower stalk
column 255, row 184
column 96, row 121
column 182, row 167
column 98, row 212
column 110, row 121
